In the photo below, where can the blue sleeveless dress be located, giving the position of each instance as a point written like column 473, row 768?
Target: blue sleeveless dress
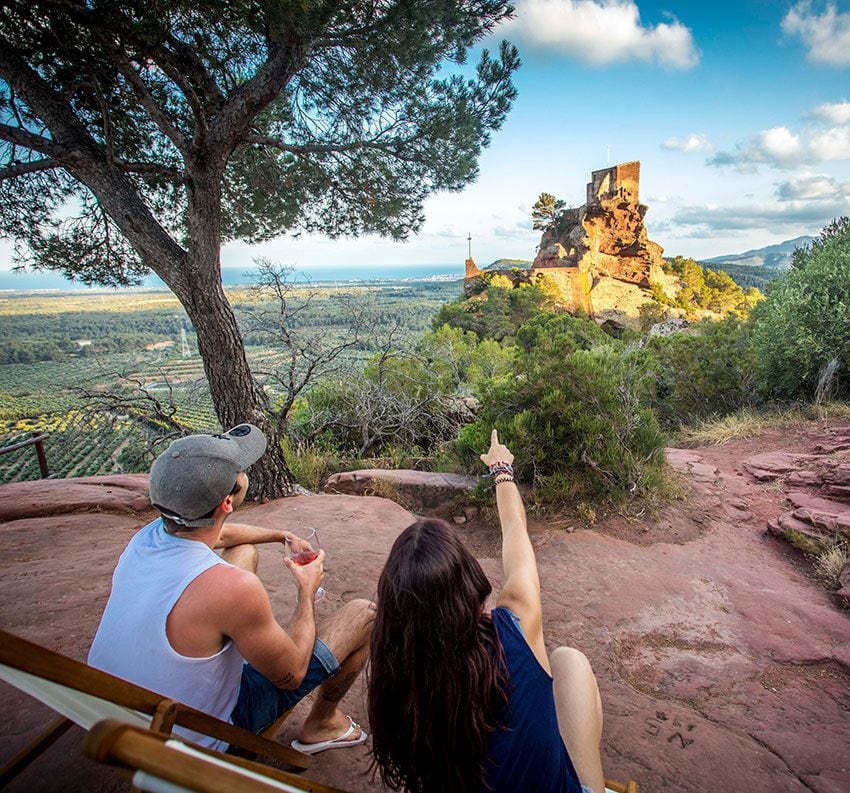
column 529, row 755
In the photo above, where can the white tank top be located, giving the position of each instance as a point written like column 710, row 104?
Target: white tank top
column 131, row 643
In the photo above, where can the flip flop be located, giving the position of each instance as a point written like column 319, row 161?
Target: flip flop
column 339, row 742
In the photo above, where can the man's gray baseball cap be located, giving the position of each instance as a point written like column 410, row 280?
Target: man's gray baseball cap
column 196, row 473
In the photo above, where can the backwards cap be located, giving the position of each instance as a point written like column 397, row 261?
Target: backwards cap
column 196, row 473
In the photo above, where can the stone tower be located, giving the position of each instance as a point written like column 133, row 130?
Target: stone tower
column 606, row 236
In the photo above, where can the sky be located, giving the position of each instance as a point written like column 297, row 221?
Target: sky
column 739, row 113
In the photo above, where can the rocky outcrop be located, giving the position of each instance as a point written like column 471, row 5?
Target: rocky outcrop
column 707, row 643
column 605, row 237
column 817, row 486
column 418, row 491
column 597, row 258
column 42, row 497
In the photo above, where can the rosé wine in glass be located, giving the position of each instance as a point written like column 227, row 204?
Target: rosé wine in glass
column 307, row 542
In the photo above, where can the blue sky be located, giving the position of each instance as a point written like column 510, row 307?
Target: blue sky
column 738, row 111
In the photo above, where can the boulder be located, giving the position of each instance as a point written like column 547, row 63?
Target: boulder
column 419, row 491
column 832, row 517
column 669, row 327
column 121, row 493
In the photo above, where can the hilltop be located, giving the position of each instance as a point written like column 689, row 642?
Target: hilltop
column 773, row 256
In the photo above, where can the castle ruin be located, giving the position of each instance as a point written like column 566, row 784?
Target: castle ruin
column 587, row 248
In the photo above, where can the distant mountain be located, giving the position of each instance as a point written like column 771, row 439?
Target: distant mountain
column 775, row 256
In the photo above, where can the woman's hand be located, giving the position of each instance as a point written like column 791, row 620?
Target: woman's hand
column 497, row 452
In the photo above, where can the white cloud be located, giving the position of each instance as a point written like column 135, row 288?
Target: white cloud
column 780, row 144
column 696, row 141
column 826, row 35
column 825, row 139
column 832, row 112
column 803, row 203
column 833, row 144
column 777, row 146
column 811, row 187
column 789, row 217
column 602, row 32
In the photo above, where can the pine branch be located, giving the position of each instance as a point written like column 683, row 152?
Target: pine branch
column 29, row 140
column 22, row 168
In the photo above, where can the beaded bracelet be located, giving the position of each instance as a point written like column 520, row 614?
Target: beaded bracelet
column 499, row 478
column 501, row 467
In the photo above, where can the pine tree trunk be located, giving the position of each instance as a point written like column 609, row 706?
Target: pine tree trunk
column 235, row 393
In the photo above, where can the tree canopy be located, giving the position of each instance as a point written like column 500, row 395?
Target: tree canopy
column 545, row 211
column 802, row 330
column 325, row 116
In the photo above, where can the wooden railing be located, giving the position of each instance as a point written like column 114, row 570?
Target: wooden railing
column 37, row 440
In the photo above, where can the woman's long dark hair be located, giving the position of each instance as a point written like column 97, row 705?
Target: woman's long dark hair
column 437, row 681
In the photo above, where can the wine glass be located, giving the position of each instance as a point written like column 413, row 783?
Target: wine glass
column 305, row 555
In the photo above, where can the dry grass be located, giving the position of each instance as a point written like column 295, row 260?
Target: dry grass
column 831, row 562
column 383, row 488
column 309, row 466
column 748, row 423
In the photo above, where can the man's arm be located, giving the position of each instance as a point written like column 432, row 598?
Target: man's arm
column 245, row 534
column 280, row 655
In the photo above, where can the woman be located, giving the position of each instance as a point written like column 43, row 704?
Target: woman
column 461, row 700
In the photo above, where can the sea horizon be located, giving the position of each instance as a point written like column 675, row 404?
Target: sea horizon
column 13, row 281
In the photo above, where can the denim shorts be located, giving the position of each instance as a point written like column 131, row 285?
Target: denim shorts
column 261, row 702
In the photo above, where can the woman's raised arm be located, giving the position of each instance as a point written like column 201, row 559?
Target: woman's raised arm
column 521, row 589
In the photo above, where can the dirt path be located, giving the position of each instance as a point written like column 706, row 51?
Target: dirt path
column 723, row 666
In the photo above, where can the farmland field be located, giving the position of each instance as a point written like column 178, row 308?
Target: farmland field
column 59, row 351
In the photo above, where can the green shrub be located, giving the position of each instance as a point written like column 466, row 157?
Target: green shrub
column 575, row 415
column 562, row 331
column 402, row 400
column 708, row 371
column 706, row 289
column 497, row 313
column 803, row 328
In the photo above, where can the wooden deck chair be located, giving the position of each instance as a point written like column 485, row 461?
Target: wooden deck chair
column 621, row 787
column 84, row 695
column 156, row 763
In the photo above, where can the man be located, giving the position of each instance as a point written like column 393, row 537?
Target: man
column 183, row 620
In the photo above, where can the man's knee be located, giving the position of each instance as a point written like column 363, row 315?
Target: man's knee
column 246, row 557
column 348, row 629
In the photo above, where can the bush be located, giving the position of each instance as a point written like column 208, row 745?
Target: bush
column 803, row 328
column 709, row 371
column 402, row 400
column 706, row 289
column 575, row 415
column 497, row 313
